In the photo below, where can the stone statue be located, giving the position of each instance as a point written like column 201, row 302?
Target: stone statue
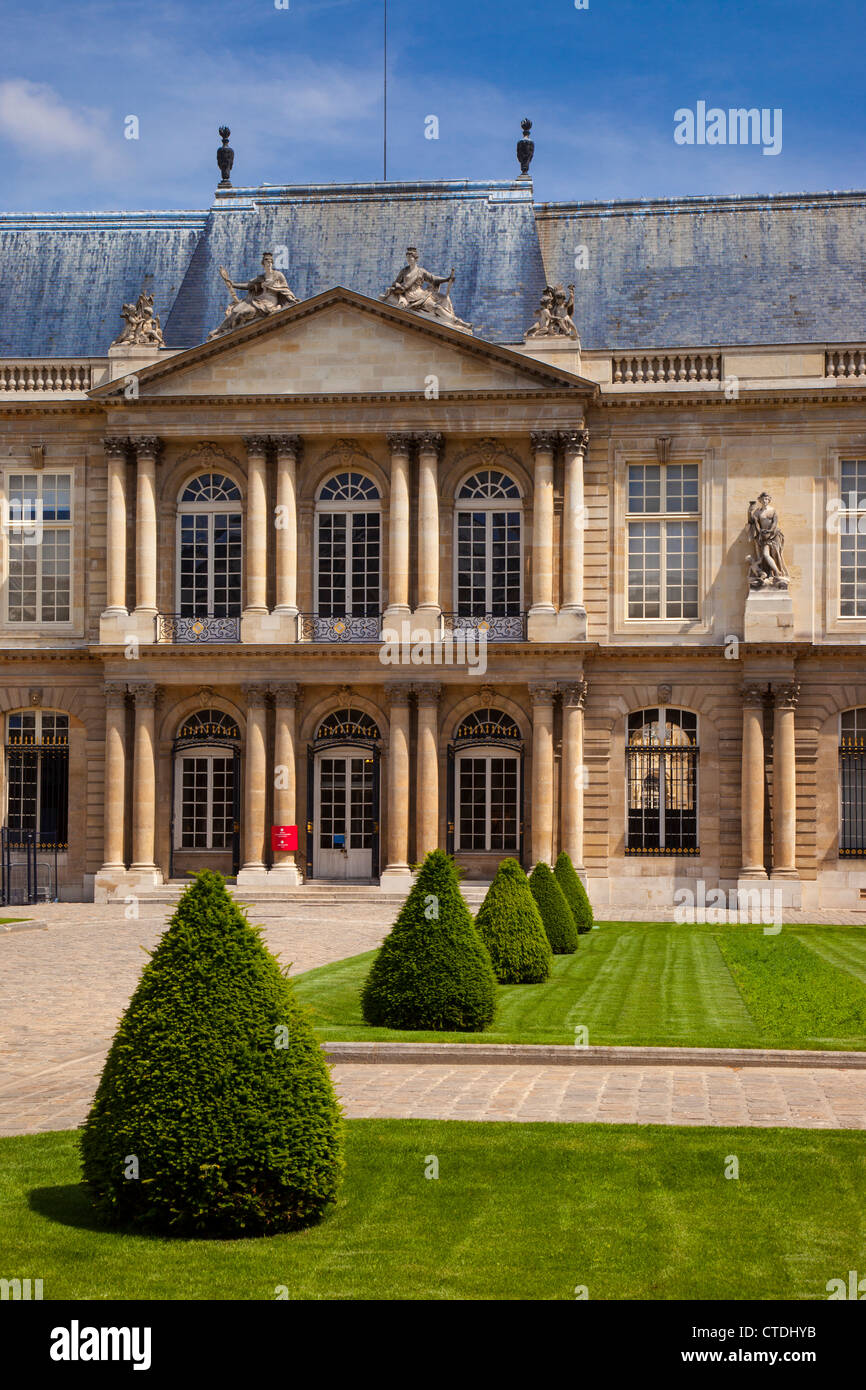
column 225, row 158
column 554, row 314
column 266, row 294
column 525, row 147
column 418, row 289
column 767, row 568
column 142, row 325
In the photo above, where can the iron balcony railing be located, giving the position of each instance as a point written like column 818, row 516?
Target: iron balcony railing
column 179, row 627
column 312, row 627
column 492, row 627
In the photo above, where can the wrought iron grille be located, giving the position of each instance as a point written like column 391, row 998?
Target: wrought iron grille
column 494, row 627
column 662, row 800
column 177, row 627
column 343, row 628
column 852, row 778
column 37, row 794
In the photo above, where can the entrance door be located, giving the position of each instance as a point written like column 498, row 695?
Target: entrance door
column 344, row 815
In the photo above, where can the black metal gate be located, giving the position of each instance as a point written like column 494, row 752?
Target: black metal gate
column 18, row 869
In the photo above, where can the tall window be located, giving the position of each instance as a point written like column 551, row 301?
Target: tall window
column 348, row 548
column 662, row 777
column 852, row 538
column 210, row 548
column 663, row 540
column 852, row 782
column 488, row 546
column 206, row 781
column 39, row 517
column 37, row 776
column 487, row 782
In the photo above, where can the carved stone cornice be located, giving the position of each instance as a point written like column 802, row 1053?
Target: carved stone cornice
column 256, row 443
column 115, row 694
column 115, row 446
column 574, row 693
column 574, row 441
column 288, row 444
column 145, row 695
column 398, row 694
column 544, row 441
column 427, row 693
column 542, row 692
column 430, row 442
column 207, row 448
column 786, row 694
column 754, row 695
column 285, row 694
column 256, row 695
column 147, row 446
column 400, row 443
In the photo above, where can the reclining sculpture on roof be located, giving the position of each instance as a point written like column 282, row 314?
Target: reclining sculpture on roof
column 142, row 324
column 420, row 290
column 265, row 294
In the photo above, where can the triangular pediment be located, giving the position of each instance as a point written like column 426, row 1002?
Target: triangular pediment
column 341, row 343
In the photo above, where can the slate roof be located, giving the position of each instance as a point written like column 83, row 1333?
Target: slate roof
column 692, row 272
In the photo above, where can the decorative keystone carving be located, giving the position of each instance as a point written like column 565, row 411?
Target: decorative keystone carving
column 37, row 457
column 663, row 694
column 34, row 697
column 487, row 694
column 663, row 448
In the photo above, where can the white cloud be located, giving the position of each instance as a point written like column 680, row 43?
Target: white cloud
column 36, row 120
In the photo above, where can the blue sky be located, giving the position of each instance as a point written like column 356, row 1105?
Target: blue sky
column 301, row 89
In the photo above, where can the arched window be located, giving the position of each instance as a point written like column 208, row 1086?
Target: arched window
column 209, row 548
column 488, row 547
column 852, row 782
column 348, row 548
column 347, row 725
column 207, row 784
column 37, row 777
column 662, row 777
column 487, row 778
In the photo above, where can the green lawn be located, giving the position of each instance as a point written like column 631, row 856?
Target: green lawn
column 518, row 1211
column 656, row 984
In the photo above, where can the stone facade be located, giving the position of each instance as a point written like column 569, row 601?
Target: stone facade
column 341, row 386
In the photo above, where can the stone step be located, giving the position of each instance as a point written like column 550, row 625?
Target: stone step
column 300, row 899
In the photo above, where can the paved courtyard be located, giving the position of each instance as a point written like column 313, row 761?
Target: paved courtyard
column 62, row 991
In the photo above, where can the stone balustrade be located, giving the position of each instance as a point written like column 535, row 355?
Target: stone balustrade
column 33, row 377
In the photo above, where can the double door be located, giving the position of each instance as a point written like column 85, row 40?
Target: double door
column 345, row 814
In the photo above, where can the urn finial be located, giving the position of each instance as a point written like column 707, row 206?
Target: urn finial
column 225, row 158
column 525, row 147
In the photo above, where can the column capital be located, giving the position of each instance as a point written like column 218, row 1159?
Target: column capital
column 145, row 695
column 147, row 446
column 116, row 446
column 115, row 694
column 786, row 694
column 574, row 441
column 288, row 444
column 285, row 694
column 256, row 695
column 256, row 443
column 543, row 692
column 544, row 441
column 754, row 694
column 427, row 694
column 430, row 442
column 398, row 694
column 400, row 443
column 574, row 693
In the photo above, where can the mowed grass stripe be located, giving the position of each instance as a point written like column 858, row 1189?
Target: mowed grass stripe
column 518, row 1211
column 795, row 996
column 844, row 948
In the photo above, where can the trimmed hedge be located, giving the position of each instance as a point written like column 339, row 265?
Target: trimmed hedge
column 510, row 926
column 215, row 1088
column 575, row 893
column 555, row 911
column 433, row 971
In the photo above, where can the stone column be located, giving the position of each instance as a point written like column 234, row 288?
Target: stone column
column 256, row 539
column 397, row 611
column 575, row 444
column 147, row 451
column 255, row 785
column 144, row 785
column 286, row 531
column 542, row 772
column 785, row 697
column 573, row 701
column 429, row 451
column 752, row 783
column 285, row 866
column 544, row 444
column 427, row 774
column 397, row 874
column 115, row 776
column 115, row 542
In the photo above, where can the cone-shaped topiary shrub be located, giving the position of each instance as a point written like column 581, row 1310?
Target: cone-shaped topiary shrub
column 575, row 893
column 215, row 1114
column 511, row 928
column 555, row 911
column 433, row 971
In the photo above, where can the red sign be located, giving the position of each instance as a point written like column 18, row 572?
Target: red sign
column 284, row 837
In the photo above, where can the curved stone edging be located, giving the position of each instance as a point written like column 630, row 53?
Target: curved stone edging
column 543, row 1054
column 26, row 924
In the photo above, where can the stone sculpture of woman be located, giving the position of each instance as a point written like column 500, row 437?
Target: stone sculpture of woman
column 420, row 290
column 265, row 294
column 766, row 566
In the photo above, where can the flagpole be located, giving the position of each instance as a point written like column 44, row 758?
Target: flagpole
column 385, row 89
